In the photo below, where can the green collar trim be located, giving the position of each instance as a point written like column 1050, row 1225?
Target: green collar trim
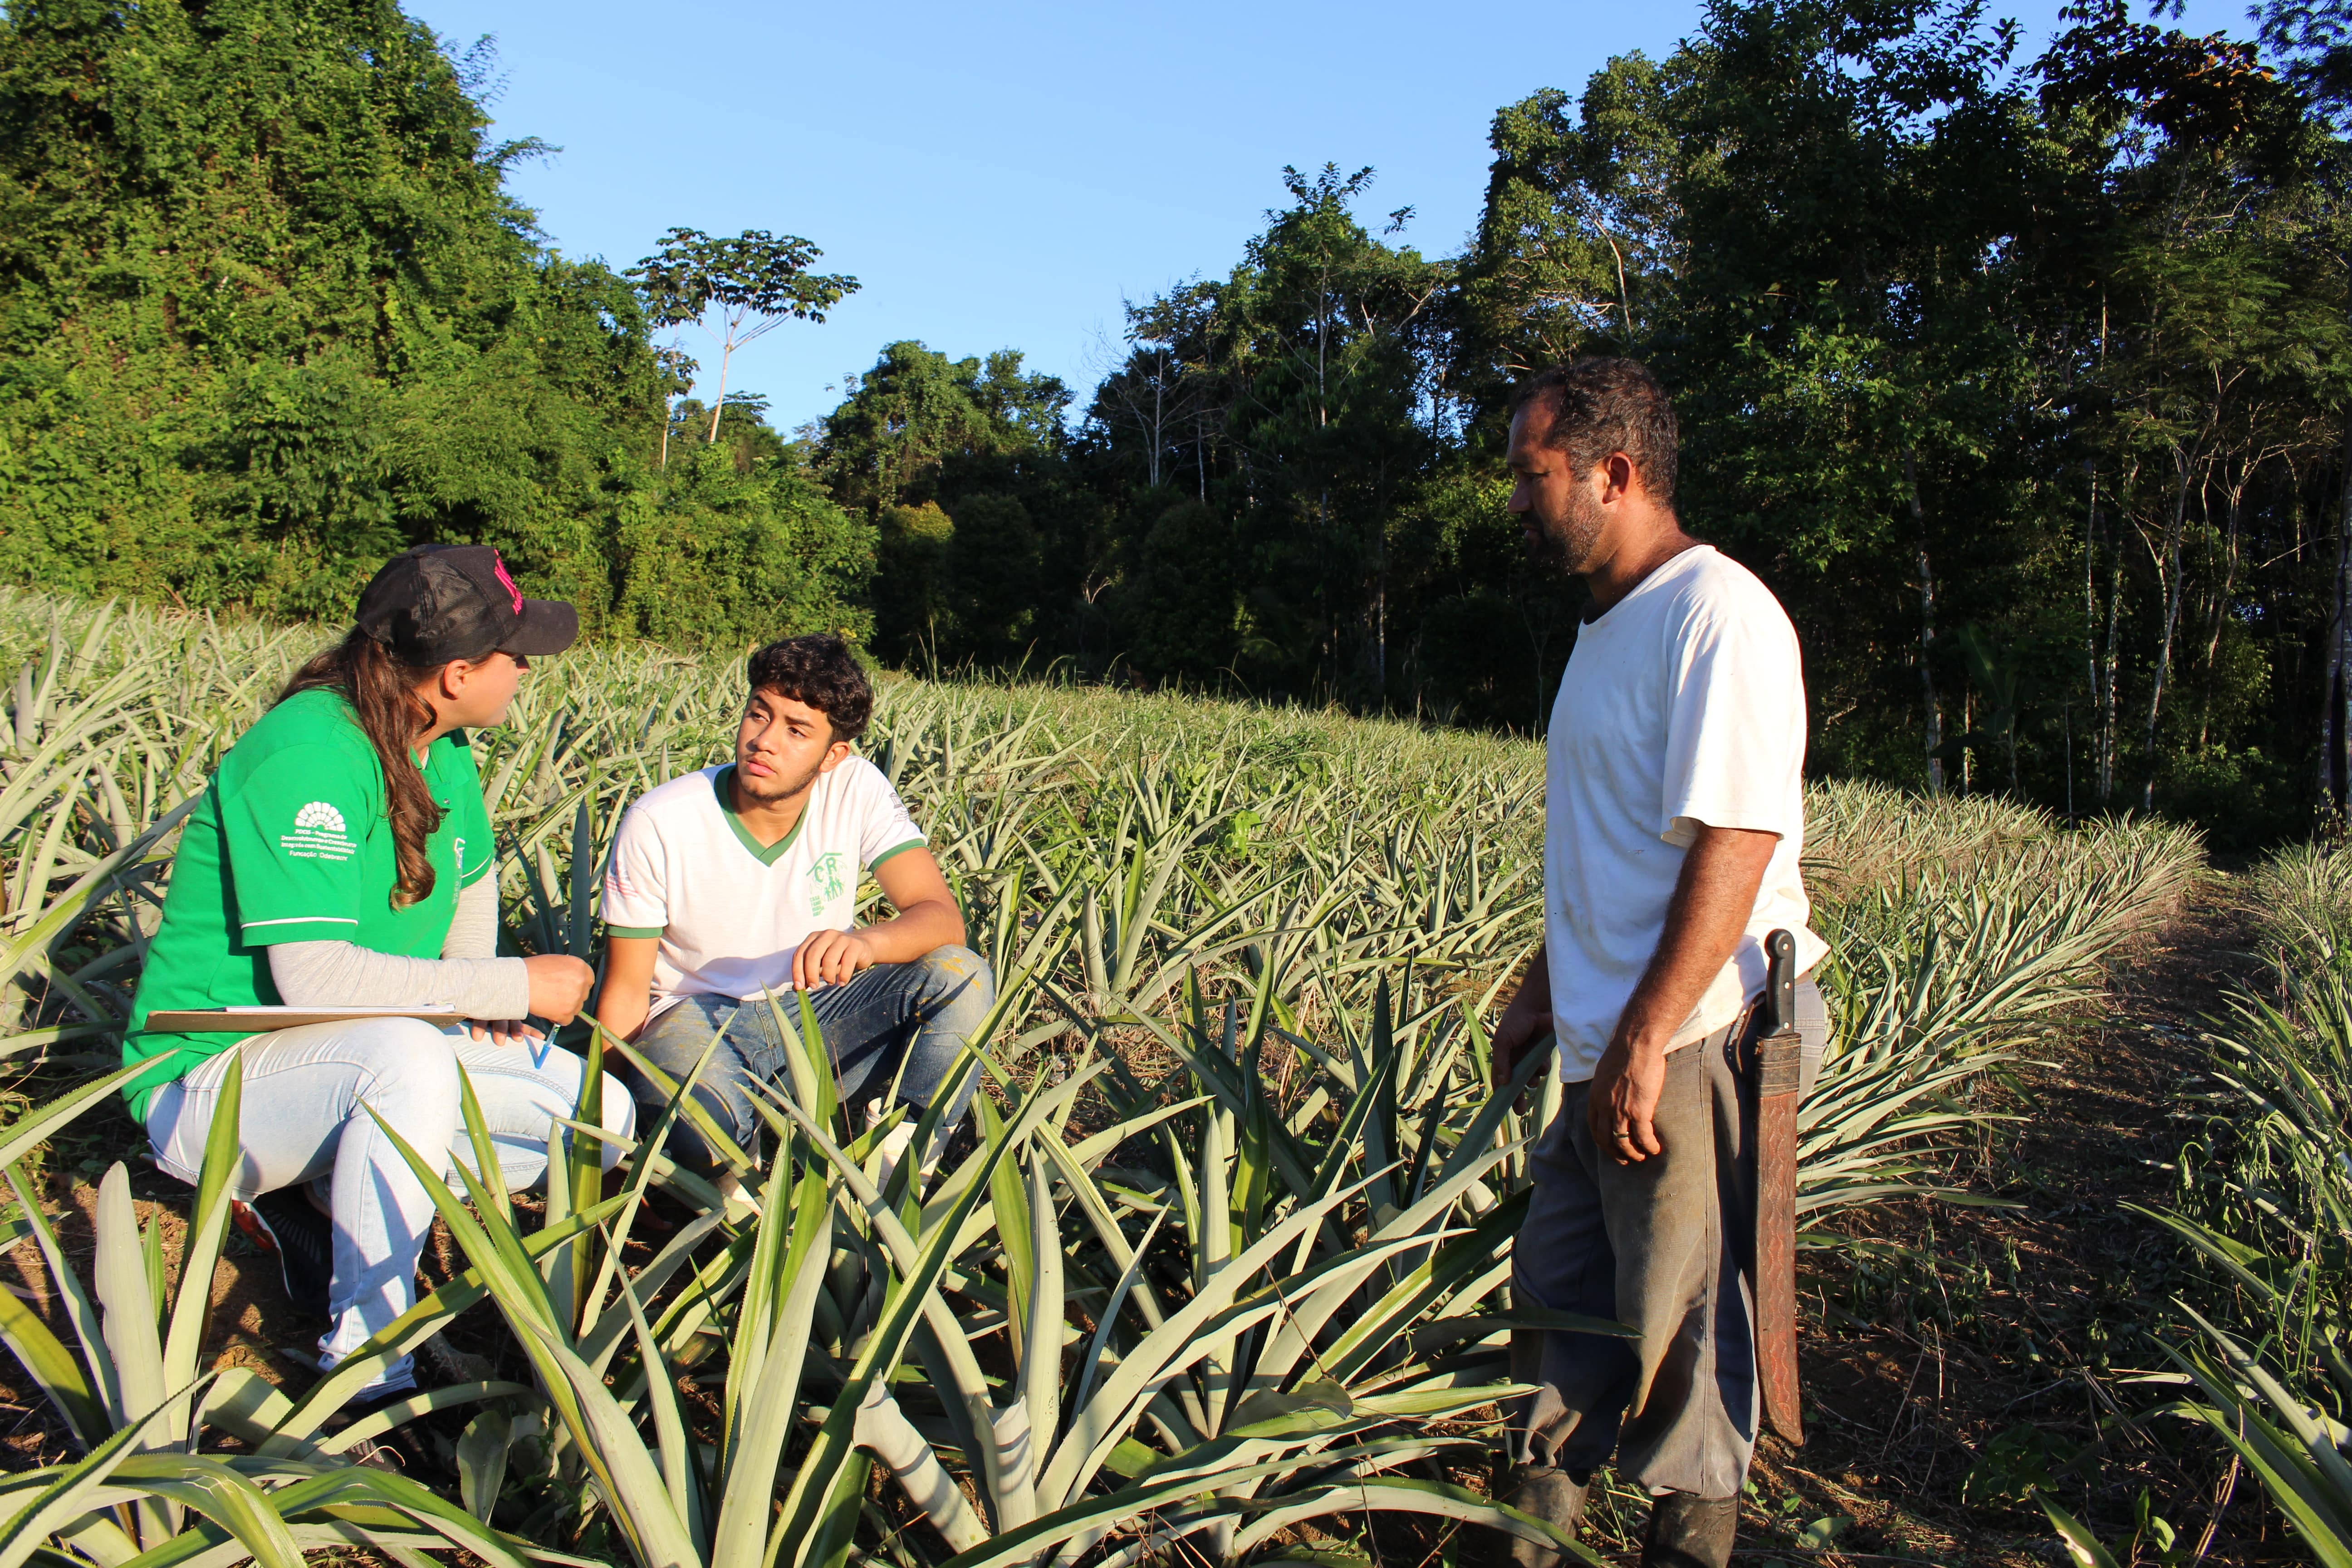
column 766, row 853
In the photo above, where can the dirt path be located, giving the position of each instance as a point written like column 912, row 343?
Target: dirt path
column 1985, row 1349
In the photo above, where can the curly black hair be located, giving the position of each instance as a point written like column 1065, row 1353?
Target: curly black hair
column 1601, row 405
column 820, row 670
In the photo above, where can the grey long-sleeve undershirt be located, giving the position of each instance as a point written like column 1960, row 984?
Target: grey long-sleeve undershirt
column 469, row 974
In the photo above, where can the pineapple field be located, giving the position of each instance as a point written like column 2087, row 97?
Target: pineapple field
column 1223, row 1273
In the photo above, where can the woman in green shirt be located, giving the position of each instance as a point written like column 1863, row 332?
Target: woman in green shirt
column 343, row 857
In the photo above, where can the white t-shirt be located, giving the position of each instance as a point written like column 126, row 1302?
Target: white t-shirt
column 729, row 911
column 1685, row 704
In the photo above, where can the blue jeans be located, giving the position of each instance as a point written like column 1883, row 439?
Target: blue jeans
column 895, row 1023
column 307, row 1093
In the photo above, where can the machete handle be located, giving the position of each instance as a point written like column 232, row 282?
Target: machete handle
column 1781, row 981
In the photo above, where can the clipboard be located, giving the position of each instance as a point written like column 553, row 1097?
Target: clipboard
column 266, row 1020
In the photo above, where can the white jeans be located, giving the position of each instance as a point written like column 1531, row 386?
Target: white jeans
column 304, row 1090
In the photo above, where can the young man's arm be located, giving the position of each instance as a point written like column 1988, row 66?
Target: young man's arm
column 1714, row 896
column 628, row 989
column 927, row 918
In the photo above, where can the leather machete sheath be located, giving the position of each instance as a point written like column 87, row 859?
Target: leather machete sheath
column 1779, row 1075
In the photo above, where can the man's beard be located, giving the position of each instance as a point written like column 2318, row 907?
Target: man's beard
column 786, row 792
column 1564, row 549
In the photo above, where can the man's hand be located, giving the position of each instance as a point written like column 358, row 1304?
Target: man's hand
column 831, row 958
column 1622, row 1107
column 504, row 1031
column 1518, row 1029
column 1714, row 896
column 1525, row 1022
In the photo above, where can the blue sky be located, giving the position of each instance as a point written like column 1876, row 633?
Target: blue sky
column 1001, row 175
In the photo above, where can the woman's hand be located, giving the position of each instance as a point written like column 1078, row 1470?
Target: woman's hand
column 559, row 985
column 559, row 989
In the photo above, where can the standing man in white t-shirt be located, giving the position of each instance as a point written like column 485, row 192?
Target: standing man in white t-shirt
column 738, row 881
column 1674, row 818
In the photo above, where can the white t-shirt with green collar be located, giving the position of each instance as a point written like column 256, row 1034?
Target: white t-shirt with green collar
column 731, row 911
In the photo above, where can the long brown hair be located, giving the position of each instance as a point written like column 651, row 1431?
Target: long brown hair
column 382, row 691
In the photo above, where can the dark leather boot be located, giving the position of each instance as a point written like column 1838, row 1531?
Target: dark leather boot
column 1687, row 1530
column 1553, row 1496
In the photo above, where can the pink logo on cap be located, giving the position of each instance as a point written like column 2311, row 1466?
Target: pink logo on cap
column 499, row 565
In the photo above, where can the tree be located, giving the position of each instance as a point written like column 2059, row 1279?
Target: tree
column 1311, row 414
column 1576, row 241
column 1166, row 394
column 267, row 313
column 917, row 414
column 753, row 283
column 2315, row 40
column 961, row 465
column 270, row 313
column 2026, row 385
column 1181, row 603
column 710, row 554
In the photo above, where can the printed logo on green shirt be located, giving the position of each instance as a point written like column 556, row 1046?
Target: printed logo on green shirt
column 319, row 833
column 825, row 878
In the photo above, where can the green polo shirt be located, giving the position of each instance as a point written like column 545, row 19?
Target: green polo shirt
column 292, row 843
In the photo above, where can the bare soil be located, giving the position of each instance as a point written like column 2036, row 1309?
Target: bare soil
column 1999, row 1346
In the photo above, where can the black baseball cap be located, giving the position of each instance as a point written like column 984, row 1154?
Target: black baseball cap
column 440, row 602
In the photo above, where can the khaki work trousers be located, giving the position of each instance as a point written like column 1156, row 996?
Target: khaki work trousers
column 1666, row 1247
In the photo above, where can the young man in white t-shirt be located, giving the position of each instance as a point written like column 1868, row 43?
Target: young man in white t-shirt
column 1673, row 823
column 737, row 883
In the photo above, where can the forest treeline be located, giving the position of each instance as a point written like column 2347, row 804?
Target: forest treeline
column 2022, row 378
